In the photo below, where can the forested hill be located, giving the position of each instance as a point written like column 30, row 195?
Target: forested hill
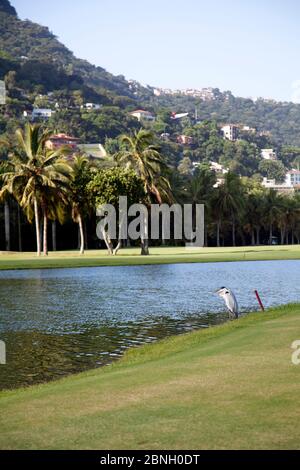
column 280, row 119
column 25, row 45
column 34, row 62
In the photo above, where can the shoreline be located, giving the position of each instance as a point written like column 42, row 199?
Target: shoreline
column 158, row 256
column 221, row 378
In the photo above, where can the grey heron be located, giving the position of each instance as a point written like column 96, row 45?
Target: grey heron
column 230, row 301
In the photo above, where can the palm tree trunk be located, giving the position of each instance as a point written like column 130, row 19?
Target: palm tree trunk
column 45, row 242
column 257, row 236
column 252, row 237
column 233, row 231
column 7, row 225
column 282, row 235
column 19, row 230
column 37, row 228
column 218, row 232
column 81, row 235
column 270, row 234
column 54, row 244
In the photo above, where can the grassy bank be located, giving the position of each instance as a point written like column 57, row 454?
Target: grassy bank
column 131, row 256
column 231, row 386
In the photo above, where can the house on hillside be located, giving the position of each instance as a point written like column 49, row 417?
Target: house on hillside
column 93, row 150
column 290, row 184
column 230, row 132
column 142, row 115
column 184, row 140
column 218, row 168
column 268, row 154
column 57, row 141
column 42, row 113
column 2, row 92
column 92, row 106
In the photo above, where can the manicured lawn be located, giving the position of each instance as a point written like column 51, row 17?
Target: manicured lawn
column 131, row 256
column 231, row 386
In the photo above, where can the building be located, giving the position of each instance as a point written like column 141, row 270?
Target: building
column 179, row 115
column 93, row 150
column 165, row 136
column 293, row 178
column 250, row 130
column 62, row 140
column 42, row 113
column 184, row 140
column 2, row 92
column 291, row 182
column 230, row 132
column 268, row 154
column 92, row 106
column 142, row 115
column 218, row 168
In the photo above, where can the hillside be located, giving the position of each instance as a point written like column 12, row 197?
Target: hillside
column 24, row 43
column 36, row 64
column 280, row 119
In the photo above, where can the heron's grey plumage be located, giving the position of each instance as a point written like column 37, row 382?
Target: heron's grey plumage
column 230, row 301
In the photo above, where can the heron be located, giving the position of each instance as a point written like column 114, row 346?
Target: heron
column 230, row 301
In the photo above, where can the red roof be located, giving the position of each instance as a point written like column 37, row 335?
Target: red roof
column 63, row 137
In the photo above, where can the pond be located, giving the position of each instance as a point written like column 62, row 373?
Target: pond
column 61, row 321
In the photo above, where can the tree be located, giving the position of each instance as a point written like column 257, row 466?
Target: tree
column 36, row 177
column 232, row 202
column 273, row 207
column 141, row 153
column 5, row 199
column 272, row 169
column 185, row 166
column 107, row 186
column 78, row 193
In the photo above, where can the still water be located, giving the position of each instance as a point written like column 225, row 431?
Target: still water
column 57, row 322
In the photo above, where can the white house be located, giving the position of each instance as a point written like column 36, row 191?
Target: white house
column 293, row 177
column 141, row 114
column 2, row 92
column 268, row 154
column 292, row 180
column 92, row 106
column 230, row 132
column 218, row 168
column 93, row 150
column 42, row 113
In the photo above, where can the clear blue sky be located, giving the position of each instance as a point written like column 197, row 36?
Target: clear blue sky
column 251, row 47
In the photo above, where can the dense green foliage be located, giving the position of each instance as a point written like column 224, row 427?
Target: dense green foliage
column 41, row 72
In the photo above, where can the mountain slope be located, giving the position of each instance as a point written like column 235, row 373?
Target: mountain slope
column 28, row 41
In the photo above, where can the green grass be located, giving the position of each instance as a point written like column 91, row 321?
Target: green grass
column 230, row 386
column 131, row 256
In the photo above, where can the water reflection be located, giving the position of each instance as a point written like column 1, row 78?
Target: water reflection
column 57, row 322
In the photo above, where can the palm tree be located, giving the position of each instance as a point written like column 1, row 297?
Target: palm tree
column 230, row 201
column 5, row 199
column 200, row 191
column 140, row 153
column 273, row 207
column 36, row 176
column 217, row 210
column 81, row 176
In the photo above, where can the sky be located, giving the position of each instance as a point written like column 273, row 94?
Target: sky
column 250, row 47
